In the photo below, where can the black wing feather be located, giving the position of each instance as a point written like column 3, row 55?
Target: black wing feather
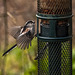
column 24, row 41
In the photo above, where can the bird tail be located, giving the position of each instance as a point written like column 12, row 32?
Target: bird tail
column 9, row 49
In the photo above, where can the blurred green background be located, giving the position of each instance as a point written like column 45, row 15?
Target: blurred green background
column 21, row 62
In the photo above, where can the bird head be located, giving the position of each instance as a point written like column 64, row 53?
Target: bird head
column 30, row 25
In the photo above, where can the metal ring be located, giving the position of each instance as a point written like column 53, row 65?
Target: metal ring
column 54, row 38
column 42, row 16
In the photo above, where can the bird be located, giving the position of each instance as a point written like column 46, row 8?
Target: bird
column 23, row 35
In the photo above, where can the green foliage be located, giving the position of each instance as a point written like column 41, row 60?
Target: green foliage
column 21, row 62
column 73, row 61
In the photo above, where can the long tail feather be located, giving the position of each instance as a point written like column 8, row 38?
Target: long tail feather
column 9, row 49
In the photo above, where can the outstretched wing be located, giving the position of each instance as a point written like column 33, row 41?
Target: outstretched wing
column 24, row 40
column 15, row 31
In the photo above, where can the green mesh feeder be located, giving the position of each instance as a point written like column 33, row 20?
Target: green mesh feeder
column 54, row 28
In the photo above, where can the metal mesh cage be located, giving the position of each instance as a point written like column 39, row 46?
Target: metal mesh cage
column 56, row 59
column 61, row 7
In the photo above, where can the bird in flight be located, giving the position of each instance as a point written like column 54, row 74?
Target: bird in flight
column 23, row 35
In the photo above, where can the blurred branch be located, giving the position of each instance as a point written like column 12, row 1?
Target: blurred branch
column 11, row 16
column 30, row 57
column 6, row 36
column 5, row 23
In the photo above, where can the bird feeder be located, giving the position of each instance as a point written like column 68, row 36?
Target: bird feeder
column 54, row 29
